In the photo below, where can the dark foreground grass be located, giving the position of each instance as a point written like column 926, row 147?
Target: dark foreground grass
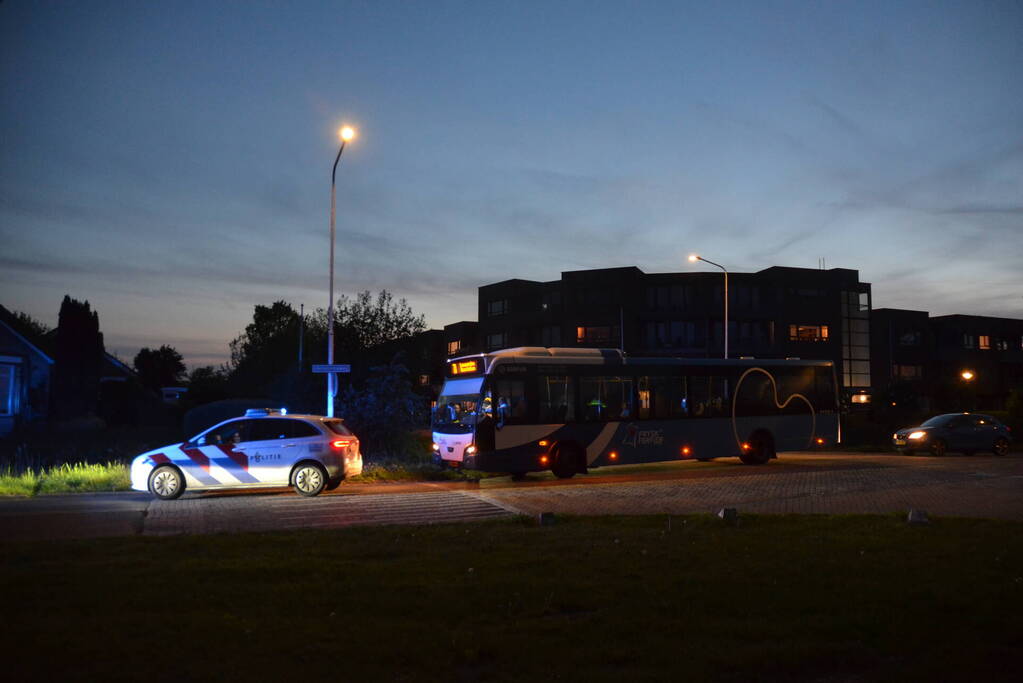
column 607, row 599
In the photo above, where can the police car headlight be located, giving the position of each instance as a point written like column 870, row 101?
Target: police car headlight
column 470, row 450
column 436, row 446
column 916, row 436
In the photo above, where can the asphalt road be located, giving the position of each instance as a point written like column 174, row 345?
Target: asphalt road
column 978, row 486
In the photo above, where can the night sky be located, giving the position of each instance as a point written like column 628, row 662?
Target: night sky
column 170, row 161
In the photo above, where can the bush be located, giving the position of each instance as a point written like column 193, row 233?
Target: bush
column 385, row 413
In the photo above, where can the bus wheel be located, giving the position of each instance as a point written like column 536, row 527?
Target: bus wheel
column 566, row 462
column 761, row 448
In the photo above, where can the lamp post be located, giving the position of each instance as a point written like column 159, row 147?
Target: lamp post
column 346, row 133
column 693, row 258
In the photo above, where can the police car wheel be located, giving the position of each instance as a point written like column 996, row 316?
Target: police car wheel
column 166, row 483
column 309, row 479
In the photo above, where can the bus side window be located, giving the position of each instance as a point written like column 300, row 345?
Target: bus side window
column 556, row 399
column 594, row 399
column 755, row 396
column 825, row 389
column 510, row 402
column 678, row 398
column 661, row 397
column 606, row 398
column 795, row 380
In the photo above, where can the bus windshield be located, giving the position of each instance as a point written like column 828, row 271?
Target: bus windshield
column 459, row 406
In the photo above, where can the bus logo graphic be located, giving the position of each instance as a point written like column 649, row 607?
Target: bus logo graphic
column 643, row 437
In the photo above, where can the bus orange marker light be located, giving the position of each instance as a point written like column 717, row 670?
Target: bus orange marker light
column 613, row 455
column 820, row 441
column 745, row 447
column 543, row 459
column 543, row 444
column 686, row 450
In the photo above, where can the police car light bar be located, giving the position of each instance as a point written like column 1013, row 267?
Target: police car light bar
column 261, row 412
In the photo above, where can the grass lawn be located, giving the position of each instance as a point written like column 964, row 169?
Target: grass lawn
column 781, row 598
column 77, row 478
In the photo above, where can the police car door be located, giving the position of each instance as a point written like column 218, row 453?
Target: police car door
column 267, row 451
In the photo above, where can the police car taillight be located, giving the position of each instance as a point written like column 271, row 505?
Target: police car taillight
column 341, row 443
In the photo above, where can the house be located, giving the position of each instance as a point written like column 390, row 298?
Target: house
column 25, row 373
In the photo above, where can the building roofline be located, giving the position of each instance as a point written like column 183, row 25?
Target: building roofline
column 24, row 340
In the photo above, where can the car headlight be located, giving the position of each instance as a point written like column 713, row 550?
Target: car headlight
column 469, row 450
column 436, row 446
column 916, row 436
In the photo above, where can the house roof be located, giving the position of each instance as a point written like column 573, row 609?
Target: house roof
column 7, row 319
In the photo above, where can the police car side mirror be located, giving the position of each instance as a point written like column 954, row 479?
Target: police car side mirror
column 200, row 441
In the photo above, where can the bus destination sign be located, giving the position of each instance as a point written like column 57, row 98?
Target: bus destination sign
column 464, row 367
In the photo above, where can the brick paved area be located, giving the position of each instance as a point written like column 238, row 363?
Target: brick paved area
column 981, row 486
column 978, row 486
column 212, row 514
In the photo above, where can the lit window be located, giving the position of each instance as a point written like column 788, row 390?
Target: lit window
column 985, row 341
column 907, row 371
column 808, row 333
column 969, row 341
column 454, row 347
column 596, row 335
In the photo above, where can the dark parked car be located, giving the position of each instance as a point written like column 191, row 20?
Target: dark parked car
column 962, row 432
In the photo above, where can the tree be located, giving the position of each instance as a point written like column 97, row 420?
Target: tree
column 78, row 359
column 162, row 367
column 266, row 349
column 29, row 327
column 264, row 358
column 363, row 323
column 385, row 411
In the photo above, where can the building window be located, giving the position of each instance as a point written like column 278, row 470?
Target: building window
column 550, row 335
column 550, row 300
column 985, row 342
column 454, row 347
column 499, row 307
column 907, row 372
column 969, row 341
column 1002, row 345
column 596, row 336
column 911, row 338
column 424, row 380
column 808, row 333
column 7, row 392
column 497, row 341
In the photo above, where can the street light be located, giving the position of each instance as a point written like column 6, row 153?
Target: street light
column 346, row 133
column 693, row 258
column 967, row 375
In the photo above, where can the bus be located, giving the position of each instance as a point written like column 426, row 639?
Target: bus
column 532, row 409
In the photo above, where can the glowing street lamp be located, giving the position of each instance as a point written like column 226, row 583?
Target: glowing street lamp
column 967, row 375
column 693, row 258
column 346, row 133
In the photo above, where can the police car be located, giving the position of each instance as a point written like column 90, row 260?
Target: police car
column 262, row 448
